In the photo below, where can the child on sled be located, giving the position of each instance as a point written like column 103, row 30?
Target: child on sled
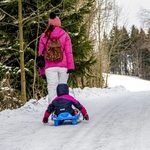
column 63, row 103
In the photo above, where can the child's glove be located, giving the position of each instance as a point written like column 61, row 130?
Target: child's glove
column 86, row 117
column 45, row 120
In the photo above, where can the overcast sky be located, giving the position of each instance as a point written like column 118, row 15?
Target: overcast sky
column 130, row 11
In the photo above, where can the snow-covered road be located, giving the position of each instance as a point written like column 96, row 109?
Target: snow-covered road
column 119, row 120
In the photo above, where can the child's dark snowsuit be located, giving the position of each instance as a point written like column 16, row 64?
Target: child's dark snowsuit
column 63, row 103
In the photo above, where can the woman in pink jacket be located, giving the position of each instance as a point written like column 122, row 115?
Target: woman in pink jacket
column 56, row 72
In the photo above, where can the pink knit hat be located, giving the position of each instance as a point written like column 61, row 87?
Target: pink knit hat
column 54, row 20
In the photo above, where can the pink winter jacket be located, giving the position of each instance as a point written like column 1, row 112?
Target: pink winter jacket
column 58, row 33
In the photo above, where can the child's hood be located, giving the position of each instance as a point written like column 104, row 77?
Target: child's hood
column 62, row 89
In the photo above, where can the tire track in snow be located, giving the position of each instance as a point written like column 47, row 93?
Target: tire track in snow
column 117, row 123
column 126, row 132
column 97, row 126
column 119, row 127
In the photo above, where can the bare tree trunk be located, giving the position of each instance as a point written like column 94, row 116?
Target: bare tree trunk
column 34, row 77
column 23, row 80
column 101, row 18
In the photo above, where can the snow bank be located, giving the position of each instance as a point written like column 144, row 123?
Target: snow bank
column 130, row 83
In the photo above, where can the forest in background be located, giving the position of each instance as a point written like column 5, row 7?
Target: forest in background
column 99, row 45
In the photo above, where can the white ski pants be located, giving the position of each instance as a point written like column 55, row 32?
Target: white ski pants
column 55, row 76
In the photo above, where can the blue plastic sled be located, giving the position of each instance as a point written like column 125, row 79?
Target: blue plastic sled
column 65, row 116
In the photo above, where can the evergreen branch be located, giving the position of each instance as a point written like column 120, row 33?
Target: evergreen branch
column 35, row 12
column 25, row 20
column 6, row 23
column 30, row 43
column 5, row 49
column 71, row 24
column 2, row 16
column 8, row 14
column 34, row 68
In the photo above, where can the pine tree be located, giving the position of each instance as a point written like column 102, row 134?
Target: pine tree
column 135, row 50
column 119, row 45
column 35, row 17
column 124, row 46
column 144, row 66
column 114, row 40
column 82, row 47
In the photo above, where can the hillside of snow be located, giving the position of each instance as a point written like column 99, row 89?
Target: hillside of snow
column 130, row 83
column 119, row 120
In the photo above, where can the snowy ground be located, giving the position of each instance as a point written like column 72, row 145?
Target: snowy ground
column 119, row 120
